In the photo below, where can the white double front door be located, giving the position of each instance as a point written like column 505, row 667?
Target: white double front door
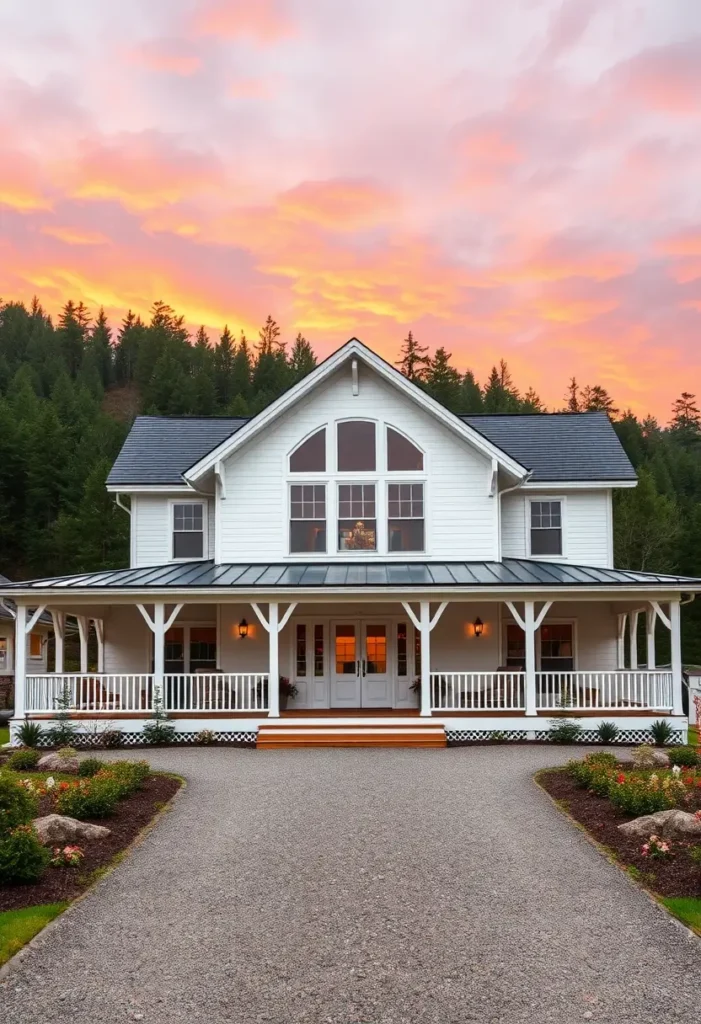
column 361, row 664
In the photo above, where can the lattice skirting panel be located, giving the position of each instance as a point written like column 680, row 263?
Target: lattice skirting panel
column 458, row 737
column 83, row 741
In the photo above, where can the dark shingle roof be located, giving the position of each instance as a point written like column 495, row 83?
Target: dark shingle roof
column 559, row 446
column 556, row 446
column 159, row 449
column 512, row 572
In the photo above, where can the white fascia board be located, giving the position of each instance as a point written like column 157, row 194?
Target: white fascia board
column 576, row 485
column 181, row 488
column 323, row 372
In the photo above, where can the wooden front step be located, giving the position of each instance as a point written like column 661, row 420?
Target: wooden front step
column 352, row 735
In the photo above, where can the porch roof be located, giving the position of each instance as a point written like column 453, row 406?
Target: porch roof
column 511, row 572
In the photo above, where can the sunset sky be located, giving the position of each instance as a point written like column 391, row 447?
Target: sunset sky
column 516, row 178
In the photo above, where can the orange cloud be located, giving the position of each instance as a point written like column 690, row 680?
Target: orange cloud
column 344, row 204
column 74, row 236
column 20, row 186
column 266, row 21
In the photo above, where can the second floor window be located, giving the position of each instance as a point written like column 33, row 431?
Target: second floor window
column 357, row 517
column 546, row 528
column 405, row 506
column 356, row 446
column 307, row 517
column 188, row 530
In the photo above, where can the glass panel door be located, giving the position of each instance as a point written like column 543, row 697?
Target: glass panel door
column 345, row 676
column 376, row 677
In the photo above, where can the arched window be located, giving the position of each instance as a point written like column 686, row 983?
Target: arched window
column 402, row 455
column 356, row 446
column 310, row 457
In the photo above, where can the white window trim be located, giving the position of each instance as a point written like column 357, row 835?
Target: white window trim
column 205, row 527
column 561, row 498
column 409, row 482
column 304, row 481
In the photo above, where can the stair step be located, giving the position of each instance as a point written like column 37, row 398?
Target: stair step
column 389, row 735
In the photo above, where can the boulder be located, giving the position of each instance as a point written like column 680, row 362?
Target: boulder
column 54, row 763
column 660, row 758
column 59, row 829
column 665, row 824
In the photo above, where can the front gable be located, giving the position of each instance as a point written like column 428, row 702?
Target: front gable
column 454, row 488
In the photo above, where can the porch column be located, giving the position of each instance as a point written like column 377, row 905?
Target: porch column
column 159, row 626
column 20, row 659
column 621, row 650
column 83, row 629
column 530, row 624
column 100, row 635
column 273, row 661
column 59, row 620
column 676, row 638
column 425, row 624
column 650, row 620
column 274, row 625
column 633, row 638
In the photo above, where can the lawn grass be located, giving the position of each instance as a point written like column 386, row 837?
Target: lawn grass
column 687, row 909
column 4, row 734
column 17, row 927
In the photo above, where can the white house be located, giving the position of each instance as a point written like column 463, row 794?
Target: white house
column 411, row 572
column 37, row 641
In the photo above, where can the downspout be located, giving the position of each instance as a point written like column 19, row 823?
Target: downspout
column 508, row 490
column 118, row 501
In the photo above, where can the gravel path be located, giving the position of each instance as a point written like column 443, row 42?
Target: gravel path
column 360, row 887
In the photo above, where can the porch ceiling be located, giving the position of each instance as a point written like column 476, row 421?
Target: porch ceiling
column 519, row 574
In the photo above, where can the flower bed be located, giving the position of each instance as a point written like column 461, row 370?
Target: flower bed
column 122, row 796
column 601, row 796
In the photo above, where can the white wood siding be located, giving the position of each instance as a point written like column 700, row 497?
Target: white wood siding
column 587, row 526
column 461, row 517
column 151, row 527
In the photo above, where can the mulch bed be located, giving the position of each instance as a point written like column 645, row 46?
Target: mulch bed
column 676, row 875
column 62, row 884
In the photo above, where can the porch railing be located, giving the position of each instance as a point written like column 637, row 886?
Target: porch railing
column 605, row 691
column 478, row 691
column 104, row 694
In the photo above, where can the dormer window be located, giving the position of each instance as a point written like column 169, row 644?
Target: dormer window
column 402, row 455
column 188, row 529
column 356, row 446
column 310, row 457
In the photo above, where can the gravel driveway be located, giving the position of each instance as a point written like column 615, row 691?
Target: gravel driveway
column 360, row 887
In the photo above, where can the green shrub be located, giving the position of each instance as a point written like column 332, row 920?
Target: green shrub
column 564, row 730
column 607, row 732
column 126, row 776
column 685, row 757
column 644, row 794
column 17, row 805
column 594, row 772
column 661, row 732
column 23, row 760
column 88, row 798
column 158, row 728
column 644, row 756
column 89, row 767
column 22, row 857
column 204, row 737
column 29, row 734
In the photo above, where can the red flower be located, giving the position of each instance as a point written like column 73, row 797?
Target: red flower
column 620, row 778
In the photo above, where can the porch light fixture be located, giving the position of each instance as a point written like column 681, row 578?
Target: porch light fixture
column 478, row 627
column 243, row 629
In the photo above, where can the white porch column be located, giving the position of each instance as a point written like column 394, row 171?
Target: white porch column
column 100, row 634
column 633, row 638
column 529, row 630
column 20, row 659
column 650, row 620
column 676, row 638
column 159, row 617
column 621, row 652
column 425, row 622
column 273, row 661
column 83, row 629
column 59, row 619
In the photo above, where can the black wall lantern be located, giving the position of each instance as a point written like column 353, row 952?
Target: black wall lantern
column 243, row 629
column 479, row 627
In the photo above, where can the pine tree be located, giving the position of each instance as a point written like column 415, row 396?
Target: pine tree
column 646, row 527
column 241, row 369
column 686, row 419
column 572, row 396
column 271, row 373
column 471, row 394
column 597, row 399
column 443, row 382
column 72, row 328
column 100, row 348
column 413, row 361
column 531, row 402
column 129, row 339
column 223, row 368
column 302, row 359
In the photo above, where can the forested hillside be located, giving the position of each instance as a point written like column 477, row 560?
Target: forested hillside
column 69, row 390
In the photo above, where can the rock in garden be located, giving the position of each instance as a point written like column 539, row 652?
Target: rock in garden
column 665, row 824
column 54, row 763
column 660, row 758
column 58, row 828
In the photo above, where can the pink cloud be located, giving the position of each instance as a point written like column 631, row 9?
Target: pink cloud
column 665, row 79
column 170, row 56
column 266, row 21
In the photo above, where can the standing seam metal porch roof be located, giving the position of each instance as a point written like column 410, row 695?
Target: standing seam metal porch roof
column 512, row 572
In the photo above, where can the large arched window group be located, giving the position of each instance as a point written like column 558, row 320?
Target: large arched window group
column 347, row 493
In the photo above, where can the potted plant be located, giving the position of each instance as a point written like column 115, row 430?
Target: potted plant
column 416, row 689
column 288, row 691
